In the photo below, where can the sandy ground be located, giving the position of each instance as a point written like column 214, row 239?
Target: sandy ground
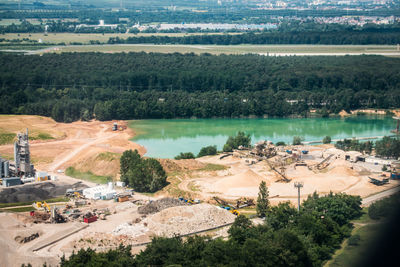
column 242, row 180
column 77, row 144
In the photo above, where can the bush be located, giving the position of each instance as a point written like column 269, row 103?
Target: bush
column 280, row 143
column 144, row 175
column 297, row 140
column 187, row 155
column 327, row 140
column 239, row 140
column 208, row 150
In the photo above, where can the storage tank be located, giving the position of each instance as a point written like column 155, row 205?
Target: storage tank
column 6, row 167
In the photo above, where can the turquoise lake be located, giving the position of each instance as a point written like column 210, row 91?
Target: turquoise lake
column 167, row 138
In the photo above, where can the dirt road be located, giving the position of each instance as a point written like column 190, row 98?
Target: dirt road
column 371, row 199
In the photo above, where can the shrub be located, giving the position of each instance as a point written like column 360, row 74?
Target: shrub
column 280, row 143
column 241, row 139
column 327, row 140
column 208, row 150
column 187, row 155
column 297, row 140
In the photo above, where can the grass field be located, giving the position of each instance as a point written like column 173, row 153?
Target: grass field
column 87, row 176
column 273, row 50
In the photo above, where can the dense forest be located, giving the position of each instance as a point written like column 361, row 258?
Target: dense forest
column 326, row 38
column 73, row 86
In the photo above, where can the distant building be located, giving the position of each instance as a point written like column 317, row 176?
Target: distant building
column 7, row 182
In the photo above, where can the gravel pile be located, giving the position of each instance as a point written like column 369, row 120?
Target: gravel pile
column 130, row 229
column 188, row 219
column 36, row 191
column 159, row 205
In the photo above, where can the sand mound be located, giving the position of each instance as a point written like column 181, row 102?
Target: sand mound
column 188, row 219
column 246, row 179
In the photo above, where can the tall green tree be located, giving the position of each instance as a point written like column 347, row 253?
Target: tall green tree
column 144, row 175
column 262, row 200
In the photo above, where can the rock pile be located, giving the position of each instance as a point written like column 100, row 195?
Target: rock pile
column 159, row 205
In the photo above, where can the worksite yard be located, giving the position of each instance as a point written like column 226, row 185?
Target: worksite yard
column 86, row 146
column 239, row 178
column 92, row 147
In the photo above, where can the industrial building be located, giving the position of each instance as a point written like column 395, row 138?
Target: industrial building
column 100, row 192
column 11, row 181
column 21, row 166
column 12, row 171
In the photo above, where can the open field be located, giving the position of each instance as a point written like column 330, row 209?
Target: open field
column 271, row 50
column 86, row 37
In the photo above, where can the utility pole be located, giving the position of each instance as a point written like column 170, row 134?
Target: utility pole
column 298, row 185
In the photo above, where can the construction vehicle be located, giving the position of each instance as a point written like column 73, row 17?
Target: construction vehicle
column 244, row 202
column 225, row 205
column 74, row 193
column 42, row 205
column 379, row 180
column 189, row 201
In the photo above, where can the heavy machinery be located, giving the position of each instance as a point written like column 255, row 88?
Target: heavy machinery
column 189, row 201
column 225, row 205
column 42, row 205
column 244, row 202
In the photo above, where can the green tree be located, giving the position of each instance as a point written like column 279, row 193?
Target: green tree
column 239, row 229
column 144, row 175
column 327, row 140
column 208, row 150
column 187, row 155
column 241, row 139
column 297, row 140
column 280, row 143
column 262, row 200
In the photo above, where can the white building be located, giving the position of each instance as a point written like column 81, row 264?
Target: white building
column 100, row 192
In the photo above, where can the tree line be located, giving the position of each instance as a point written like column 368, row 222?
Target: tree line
column 74, row 86
column 349, row 37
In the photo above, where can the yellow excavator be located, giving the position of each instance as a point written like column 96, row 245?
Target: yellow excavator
column 43, row 205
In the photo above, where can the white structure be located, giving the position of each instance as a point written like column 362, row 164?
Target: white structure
column 376, row 160
column 100, row 192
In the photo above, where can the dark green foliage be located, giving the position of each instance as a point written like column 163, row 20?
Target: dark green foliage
column 208, row 150
column 327, row 140
column 281, row 216
column 239, row 229
column 144, row 175
column 340, row 207
column 233, row 142
column 355, row 145
column 388, row 147
column 89, row 258
column 384, row 208
column 187, row 155
column 280, row 143
column 262, row 206
column 297, row 140
column 73, row 86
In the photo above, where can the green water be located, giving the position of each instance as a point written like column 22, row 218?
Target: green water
column 167, row 138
